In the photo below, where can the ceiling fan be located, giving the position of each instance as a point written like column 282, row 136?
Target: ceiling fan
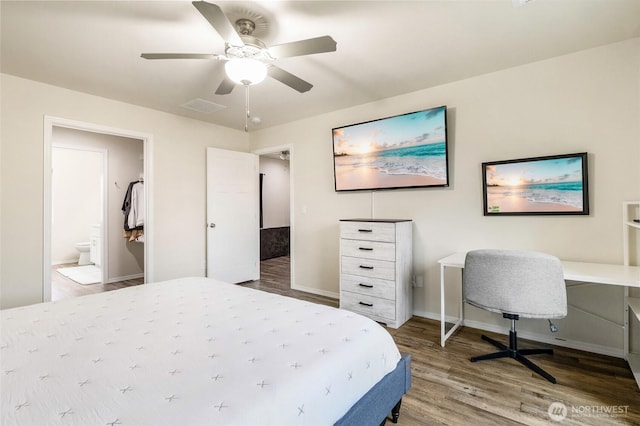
column 245, row 53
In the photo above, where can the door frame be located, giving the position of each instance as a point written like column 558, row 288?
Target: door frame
column 274, row 150
column 147, row 148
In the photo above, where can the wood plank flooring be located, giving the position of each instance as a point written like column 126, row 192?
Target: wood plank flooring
column 448, row 389
column 275, row 277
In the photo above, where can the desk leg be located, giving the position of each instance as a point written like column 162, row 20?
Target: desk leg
column 461, row 310
column 625, row 324
column 443, row 318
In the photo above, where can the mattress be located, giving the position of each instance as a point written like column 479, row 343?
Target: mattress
column 190, row 351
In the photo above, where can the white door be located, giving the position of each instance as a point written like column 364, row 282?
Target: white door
column 233, row 234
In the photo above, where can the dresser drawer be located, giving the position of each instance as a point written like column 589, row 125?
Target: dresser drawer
column 369, row 231
column 368, row 249
column 368, row 268
column 368, row 305
column 375, row 287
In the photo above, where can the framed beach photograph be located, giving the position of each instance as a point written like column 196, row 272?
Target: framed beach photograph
column 403, row 151
column 553, row 185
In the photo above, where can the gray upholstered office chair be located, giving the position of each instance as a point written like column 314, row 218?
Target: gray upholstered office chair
column 516, row 284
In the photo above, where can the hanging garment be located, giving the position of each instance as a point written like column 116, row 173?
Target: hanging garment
column 136, row 213
column 133, row 208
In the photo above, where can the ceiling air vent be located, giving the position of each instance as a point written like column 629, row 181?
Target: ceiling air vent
column 518, row 3
column 201, row 105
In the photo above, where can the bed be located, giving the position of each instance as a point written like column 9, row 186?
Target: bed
column 196, row 351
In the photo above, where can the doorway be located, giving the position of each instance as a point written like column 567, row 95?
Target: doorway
column 276, row 207
column 117, row 260
column 77, row 214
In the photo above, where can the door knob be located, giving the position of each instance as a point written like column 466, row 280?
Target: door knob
column 212, row 225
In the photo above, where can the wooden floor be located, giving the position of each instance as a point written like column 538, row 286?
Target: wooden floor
column 275, row 277
column 64, row 288
column 447, row 389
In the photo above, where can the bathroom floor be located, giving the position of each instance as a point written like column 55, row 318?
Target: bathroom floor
column 64, row 288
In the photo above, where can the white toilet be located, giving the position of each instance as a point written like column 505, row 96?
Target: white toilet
column 83, row 249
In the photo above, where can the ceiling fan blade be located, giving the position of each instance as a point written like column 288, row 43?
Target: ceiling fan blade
column 289, row 79
column 219, row 22
column 180, row 56
column 225, row 87
column 303, row 47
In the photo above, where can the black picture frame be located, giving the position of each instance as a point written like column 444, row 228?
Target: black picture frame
column 549, row 185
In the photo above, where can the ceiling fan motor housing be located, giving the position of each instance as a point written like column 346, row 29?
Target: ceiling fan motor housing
column 245, row 26
column 253, row 48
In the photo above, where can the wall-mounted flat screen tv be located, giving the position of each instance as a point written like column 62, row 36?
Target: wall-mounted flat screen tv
column 553, row 185
column 403, row 151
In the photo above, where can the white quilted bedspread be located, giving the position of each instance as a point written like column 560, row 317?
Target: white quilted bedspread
column 191, row 351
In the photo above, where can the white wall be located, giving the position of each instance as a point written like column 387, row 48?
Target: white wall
column 125, row 164
column 76, row 182
column 587, row 101
column 178, row 161
column 275, row 192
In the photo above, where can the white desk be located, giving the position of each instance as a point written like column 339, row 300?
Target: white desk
column 598, row 273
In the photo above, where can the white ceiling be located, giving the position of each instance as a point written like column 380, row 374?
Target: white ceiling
column 384, row 48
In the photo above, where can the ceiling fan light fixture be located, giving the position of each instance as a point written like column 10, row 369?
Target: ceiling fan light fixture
column 245, row 71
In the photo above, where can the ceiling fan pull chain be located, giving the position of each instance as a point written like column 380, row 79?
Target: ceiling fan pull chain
column 248, row 114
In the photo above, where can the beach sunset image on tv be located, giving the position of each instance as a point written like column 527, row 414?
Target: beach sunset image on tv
column 407, row 150
column 544, row 185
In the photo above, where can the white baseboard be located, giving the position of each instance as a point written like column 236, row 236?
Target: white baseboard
column 126, row 277
column 62, row 262
column 433, row 316
column 324, row 293
column 536, row 337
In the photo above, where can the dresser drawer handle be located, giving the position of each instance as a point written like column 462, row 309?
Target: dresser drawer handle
column 366, row 304
column 366, row 267
column 365, row 248
column 365, row 285
column 365, row 230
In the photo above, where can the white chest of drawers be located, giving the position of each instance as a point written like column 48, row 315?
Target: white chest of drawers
column 375, row 269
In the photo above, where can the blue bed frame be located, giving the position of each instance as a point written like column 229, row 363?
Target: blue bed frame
column 384, row 398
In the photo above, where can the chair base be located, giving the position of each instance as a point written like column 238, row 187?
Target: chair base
column 512, row 351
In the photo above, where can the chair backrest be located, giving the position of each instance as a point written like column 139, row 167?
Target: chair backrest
column 527, row 283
